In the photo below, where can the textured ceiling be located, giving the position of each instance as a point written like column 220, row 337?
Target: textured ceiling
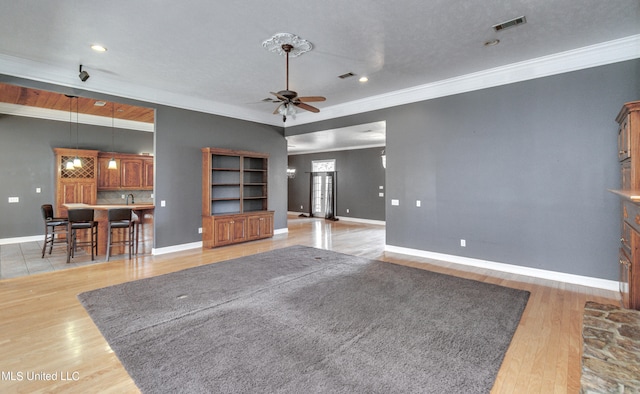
column 209, row 53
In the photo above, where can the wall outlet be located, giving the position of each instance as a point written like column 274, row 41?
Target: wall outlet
column 13, row 200
column 123, row 197
column 380, row 194
column 463, row 243
column 301, row 207
column 38, row 190
column 347, row 210
column 199, row 230
column 395, row 202
column 163, row 203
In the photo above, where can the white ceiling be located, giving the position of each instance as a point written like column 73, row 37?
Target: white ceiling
column 207, row 55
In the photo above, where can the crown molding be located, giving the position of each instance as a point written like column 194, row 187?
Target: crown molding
column 591, row 56
column 609, row 52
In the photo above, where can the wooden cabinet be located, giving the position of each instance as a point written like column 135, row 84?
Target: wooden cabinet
column 108, row 179
column 130, row 173
column 234, row 197
column 259, row 226
column 147, row 173
column 77, row 185
column 134, row 172
column 223, row 230
column 629, row 155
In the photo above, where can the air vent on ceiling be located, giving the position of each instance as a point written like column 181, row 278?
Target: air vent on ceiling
column 347, row 75
column 510, row 23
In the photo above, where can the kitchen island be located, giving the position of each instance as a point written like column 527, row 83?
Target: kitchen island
column 101, row 216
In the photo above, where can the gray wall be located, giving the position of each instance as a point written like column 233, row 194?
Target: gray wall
column 360, row 174
column 520, row 171
column 178, row 163
column 179, row 136
column 27, row 162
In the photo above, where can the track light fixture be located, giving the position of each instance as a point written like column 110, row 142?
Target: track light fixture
column 83, row 74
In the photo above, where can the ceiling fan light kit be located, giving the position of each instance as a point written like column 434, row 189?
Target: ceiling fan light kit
column 290, row 45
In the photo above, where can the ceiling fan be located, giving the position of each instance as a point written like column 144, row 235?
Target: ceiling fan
column 289, row 99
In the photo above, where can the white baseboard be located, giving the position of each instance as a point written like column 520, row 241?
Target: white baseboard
column 346, row 219
column 17, row 240
column 195, row 245
column 359, row 220
column 176, row 248
column 510, row 268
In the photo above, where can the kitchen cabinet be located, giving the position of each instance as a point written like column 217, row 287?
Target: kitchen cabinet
column 77, row 185
column 234, row 197
column 130, row 173
column 108, row 179
column 134, row 172
column 147, row 173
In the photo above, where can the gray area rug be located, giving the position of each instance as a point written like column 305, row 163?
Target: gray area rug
column 305, row 320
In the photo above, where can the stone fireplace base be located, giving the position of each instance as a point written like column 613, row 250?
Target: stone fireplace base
column 611, row 349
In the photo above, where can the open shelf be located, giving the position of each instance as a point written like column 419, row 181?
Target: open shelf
column 234, row 197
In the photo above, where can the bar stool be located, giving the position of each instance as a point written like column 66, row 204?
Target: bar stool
column 82, row 219
column 52, row 226
column 120, row 218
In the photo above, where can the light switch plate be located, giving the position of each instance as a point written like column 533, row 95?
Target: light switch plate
column 13, row 200
column 395, row 202
column 163, row 203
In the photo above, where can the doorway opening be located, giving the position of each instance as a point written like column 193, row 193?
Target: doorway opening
column 323, row 188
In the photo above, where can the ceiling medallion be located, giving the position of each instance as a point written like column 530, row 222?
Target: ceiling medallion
column 275, row 43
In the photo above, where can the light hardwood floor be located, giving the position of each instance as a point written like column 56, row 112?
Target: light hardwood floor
column 44, row 329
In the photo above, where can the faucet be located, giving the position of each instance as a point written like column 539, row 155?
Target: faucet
column 132, row 201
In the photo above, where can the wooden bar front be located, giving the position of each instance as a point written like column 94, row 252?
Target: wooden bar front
column 101, row 216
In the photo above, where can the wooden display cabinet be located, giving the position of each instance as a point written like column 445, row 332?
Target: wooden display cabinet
column 78, row 185
column 629, row 155
column 234, row 197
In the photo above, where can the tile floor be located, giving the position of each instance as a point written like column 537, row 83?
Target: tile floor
column 26, row 259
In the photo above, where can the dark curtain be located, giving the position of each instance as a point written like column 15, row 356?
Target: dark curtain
column 330, row 200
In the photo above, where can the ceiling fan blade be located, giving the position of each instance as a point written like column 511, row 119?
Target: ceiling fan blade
column 310, row 99
column 281, row 97
column 306, row 106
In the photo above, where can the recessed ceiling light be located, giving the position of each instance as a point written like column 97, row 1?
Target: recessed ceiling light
column 100, row 103
column 363, row 79
column 491, row 43
column 98, row 48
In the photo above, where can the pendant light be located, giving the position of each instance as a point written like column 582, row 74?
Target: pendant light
column 113, row 165
column 77, row 163
column 69, row 164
